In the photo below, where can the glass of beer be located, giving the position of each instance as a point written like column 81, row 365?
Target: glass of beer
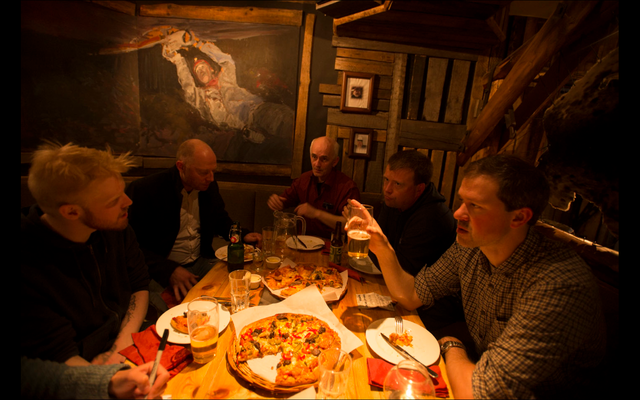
column 359, row 218
column 203, row 320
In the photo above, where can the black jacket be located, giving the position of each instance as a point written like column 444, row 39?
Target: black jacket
column 420, row 234
column 155, row 217
column 74, row 296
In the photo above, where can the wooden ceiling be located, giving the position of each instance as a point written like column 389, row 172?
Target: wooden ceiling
column 468, row 26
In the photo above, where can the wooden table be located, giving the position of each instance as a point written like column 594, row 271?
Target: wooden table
column 214, row 380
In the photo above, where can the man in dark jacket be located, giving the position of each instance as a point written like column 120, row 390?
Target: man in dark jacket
column 84, row 280
column 418, row 224
column 176, row 214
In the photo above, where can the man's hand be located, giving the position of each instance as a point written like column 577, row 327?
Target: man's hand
column 308, row 211
column 253, row 237
column 275, row 202
column 134, row 383
column 181, row 281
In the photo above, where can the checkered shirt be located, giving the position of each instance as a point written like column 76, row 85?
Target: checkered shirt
column 536, row 319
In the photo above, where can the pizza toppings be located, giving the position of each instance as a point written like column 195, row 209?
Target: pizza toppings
column 403, row 340
column 292, row 279
column 299, row 338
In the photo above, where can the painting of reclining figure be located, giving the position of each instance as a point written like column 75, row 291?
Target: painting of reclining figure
column 147, row 84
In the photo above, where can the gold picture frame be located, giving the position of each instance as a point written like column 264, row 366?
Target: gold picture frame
column 357, row 92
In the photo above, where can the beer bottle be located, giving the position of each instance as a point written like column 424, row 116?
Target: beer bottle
column 335, row 251
column 235, row 250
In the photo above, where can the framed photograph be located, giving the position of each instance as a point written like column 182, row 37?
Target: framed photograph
column 357, row 92
column 360, row 143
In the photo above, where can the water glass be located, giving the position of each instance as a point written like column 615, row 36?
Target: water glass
column 202, row 321
column 258, row 262
column 268, row 240
column 334, row 366
column 240, row 282
column 358, row 220
column 408, row 380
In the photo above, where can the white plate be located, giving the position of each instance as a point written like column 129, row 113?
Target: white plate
column 425, row 346
column 221, row 254
column 364, row 265
column 312, row 243
column 164, row 322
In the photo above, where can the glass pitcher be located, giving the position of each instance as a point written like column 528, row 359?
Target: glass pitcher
column 285, row 219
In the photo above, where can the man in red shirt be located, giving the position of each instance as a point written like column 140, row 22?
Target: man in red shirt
column 321, row 194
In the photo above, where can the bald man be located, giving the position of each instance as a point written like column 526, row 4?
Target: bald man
column 319, row 195
column 176, row 214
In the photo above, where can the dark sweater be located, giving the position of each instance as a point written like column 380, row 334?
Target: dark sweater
column 75, row 295
column 420, row 234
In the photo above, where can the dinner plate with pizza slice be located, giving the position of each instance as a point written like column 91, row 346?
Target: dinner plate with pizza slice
column 175, row 320
column 418, row 342
column 221, row 253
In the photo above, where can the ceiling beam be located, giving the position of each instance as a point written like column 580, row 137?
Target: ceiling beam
column 551, row 37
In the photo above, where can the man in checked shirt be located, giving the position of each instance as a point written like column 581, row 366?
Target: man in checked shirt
column 531, row 304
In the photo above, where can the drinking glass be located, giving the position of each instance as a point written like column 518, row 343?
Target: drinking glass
column 408, row 380
column 357, row 223
column 334, row 366
column 268, row 240
column 203, row 320
column 239, row 281
column 258, row 262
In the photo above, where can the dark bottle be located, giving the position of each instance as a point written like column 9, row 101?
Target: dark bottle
column 235, row 250
column 335, row 251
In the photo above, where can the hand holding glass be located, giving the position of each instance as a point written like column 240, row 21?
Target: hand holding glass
column 334, row 366
column 409, row 380
column 239, row 282
column 202, row 320
column 357, row 223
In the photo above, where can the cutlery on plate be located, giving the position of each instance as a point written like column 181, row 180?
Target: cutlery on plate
column 300, row 241
column 405, row 354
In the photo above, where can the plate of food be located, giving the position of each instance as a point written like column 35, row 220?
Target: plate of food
column 311, row 243
column 364, row 265
column 415, row 340
column 175, row 320
column 290, row 279
column 221, row 253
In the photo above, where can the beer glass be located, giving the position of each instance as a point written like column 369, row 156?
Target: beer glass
column 203, row 320
column 357, row 235
column 268, row 240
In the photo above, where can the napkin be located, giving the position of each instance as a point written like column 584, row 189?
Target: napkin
column 378, row 370
column 327, row 247
column 145, row 346
column 169, row 298
column 352, row 273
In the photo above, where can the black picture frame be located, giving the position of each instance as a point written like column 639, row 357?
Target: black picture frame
column 357, row 92
column 361, row 142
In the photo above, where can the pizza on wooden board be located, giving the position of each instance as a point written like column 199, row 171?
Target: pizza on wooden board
column 292, row 279
column 299, row 338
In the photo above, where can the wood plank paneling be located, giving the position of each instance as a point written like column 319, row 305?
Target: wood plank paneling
column 434, row 88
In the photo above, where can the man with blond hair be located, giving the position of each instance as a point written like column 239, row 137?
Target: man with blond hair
column 321, row 194
column 176, row 215
column 84, row 279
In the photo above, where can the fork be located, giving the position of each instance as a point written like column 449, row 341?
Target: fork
column 399, row 328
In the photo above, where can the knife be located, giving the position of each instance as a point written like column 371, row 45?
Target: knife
column 300, row 241
column 405, row 354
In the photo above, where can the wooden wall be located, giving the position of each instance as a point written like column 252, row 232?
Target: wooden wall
column 423, row 99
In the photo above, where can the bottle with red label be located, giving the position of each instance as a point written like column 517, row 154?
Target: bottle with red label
column 235, row 250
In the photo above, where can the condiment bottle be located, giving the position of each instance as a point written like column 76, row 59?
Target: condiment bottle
column 335, row 251
column 235, row 250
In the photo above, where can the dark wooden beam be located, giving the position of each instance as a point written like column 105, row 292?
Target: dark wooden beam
column 551, row 37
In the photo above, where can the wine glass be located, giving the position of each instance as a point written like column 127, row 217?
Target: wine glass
column 408, row 380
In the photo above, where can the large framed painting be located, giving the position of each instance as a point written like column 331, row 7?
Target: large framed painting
column 94, row 76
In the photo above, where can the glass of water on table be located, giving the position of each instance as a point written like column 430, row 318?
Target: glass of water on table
column 239, row 282
column 357, row 223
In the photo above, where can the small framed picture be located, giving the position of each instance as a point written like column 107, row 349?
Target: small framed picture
column 357, row 92
column 361, row 143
